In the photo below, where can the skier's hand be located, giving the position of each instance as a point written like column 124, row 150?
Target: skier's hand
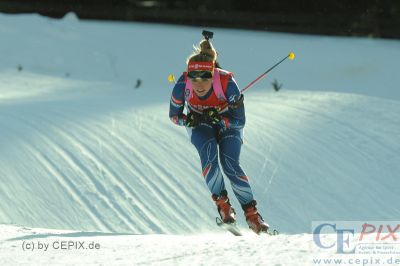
column 211, row 116
column 193, row 119
column 236, row 102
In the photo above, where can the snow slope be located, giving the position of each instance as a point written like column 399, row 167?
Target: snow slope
column 88, row 164
column 82, row 149
column 125, row 249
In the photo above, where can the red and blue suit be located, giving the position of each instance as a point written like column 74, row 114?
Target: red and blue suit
column 223, row 140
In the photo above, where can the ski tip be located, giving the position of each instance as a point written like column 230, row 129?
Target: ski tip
column 272, row 232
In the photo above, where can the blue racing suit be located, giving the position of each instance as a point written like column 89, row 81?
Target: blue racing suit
column 221, row 141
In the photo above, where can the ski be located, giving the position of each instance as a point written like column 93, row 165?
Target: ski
column 271, row 232
column 232, row 228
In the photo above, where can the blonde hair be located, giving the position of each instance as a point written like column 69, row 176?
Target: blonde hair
column 205, row 52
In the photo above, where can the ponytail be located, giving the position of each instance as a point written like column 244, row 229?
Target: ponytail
column 205, row 52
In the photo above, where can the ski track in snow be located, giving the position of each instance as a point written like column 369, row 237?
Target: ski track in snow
column 120, row 188
column 67, row 182
column 111, row 190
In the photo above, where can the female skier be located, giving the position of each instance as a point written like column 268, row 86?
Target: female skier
column 215, row 118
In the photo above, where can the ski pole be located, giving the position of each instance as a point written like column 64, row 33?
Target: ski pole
column 290, row 56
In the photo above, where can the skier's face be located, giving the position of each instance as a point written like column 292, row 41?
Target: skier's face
column 201, row 86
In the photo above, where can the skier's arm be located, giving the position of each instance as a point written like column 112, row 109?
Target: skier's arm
column 235, row 117
column 177, row 103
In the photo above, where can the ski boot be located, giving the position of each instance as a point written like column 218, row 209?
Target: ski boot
column 253, row 218
column 225, row 210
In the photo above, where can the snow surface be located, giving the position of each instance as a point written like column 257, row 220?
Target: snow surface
column 83, row 150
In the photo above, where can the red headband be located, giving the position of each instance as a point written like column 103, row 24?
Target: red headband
column 200, row 66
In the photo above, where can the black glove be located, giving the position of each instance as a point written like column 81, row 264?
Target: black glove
column 211, row 116
column 238, row 102
column 193, row 119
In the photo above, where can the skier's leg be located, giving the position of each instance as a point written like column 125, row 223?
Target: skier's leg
column 230, row 143
column 204, row 139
